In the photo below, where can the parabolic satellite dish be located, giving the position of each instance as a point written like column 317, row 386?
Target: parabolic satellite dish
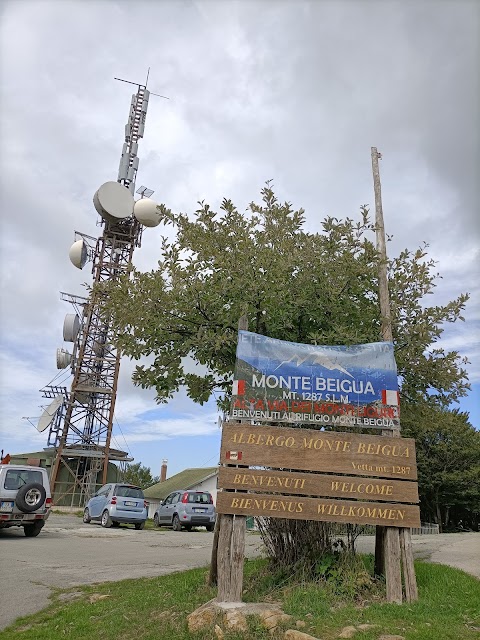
column 147, row 212
column 64, row 358
column 71, row 327
column 78, row 253
column 48, row 415
column 113, row 201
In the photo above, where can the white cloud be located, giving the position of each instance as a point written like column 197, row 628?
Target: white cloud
column 294, row 91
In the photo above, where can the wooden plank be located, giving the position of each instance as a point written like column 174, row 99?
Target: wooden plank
column 224, row 559
column 230, row 551
column 213, row 573
column 393, row 573
column 313, row 484
column 312, row 450
column 237, row 559
column 411, row 592
column 324, row 509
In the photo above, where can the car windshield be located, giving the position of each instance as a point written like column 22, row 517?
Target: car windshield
column 203, row 498
column 17, row 478
column 129, row 492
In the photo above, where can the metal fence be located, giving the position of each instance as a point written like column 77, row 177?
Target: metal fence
column 426, row 528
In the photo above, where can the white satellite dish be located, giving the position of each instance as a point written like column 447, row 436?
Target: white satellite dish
column 147, row 212
column 64, row 358
column 78, row 253
column 113, row 201
column 48, row 415
column 71, row 327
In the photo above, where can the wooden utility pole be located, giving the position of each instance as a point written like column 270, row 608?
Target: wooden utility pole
column 228, row 550
column 384, row 297
column 392, row 545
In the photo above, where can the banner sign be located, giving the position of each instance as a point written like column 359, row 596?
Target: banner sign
column 346, row 386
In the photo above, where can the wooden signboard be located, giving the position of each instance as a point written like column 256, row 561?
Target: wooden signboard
column 313, row 450
column 302, row 508
column 314, row 484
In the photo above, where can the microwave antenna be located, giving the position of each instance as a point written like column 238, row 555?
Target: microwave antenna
column 80, row 436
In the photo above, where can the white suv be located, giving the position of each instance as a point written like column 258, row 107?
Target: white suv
column 25, row 498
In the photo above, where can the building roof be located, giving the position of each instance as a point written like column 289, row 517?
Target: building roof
column 184, row 480
column 21, row 458
column 115, row 455
column 34, row 454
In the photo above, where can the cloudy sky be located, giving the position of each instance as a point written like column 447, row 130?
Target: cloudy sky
column 293, row 91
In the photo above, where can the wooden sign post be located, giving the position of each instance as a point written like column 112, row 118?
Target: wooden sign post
column 374, row 481
column 391, row 545
column 311, row 475
column 228, row 550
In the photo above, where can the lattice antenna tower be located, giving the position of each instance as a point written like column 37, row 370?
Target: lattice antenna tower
column 80, row 431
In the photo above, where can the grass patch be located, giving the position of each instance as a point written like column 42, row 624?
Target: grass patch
column 156, row 608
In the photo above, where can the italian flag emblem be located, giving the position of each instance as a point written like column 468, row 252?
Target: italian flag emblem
column 238, row 388
column 390, row 398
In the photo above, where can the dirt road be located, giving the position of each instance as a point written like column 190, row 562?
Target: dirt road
column 68, row 553
column 459, row 550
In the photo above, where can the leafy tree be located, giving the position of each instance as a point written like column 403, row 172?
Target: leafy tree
column 140, row 476
column 319, row 288
column 293, row 285
column 448, row 459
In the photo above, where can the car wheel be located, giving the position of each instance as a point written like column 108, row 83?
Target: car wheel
column 156, row 522
column 140, row 525
column 176, row 524
column 86, row 516
column 32, row 530
column 210, row 527
column 106, row 521
column 31, row 497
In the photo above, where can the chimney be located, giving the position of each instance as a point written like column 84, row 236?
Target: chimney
column 163, row 470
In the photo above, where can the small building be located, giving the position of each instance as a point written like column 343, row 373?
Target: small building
column 203, row 479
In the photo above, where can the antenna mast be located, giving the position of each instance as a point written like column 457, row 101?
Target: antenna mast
column 81, row 435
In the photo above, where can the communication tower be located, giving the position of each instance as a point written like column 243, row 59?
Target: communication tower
column 80, row 420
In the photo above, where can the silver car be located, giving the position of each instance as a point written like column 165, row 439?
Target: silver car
column 116, row 503
column 186, row 509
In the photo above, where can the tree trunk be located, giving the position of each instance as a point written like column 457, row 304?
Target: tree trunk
column 290, row 542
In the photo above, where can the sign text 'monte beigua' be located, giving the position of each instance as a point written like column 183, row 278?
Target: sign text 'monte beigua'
column 350, row 386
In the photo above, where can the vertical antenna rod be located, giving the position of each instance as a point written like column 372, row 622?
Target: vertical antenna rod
column 134, row 130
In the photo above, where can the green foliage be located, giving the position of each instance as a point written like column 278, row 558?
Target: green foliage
column 345, row 576
column 140, row 476
column 290, row 284
column 448, row 458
